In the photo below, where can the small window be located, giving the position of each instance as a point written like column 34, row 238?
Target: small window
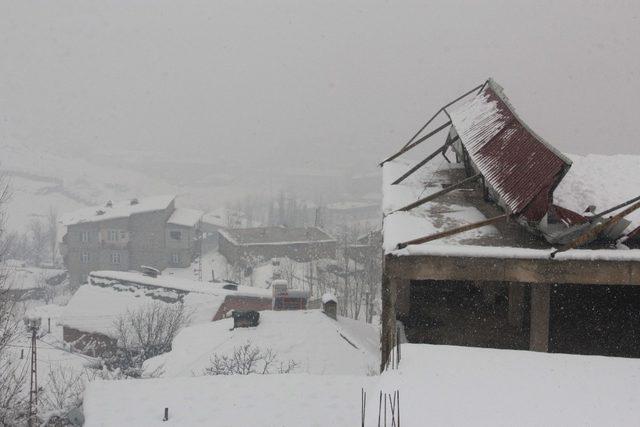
column 123, row 235
column 115, row 258
column 175, row 235
column 84, row 236
column 85, row 257
column 175, row 259
column 113, row 235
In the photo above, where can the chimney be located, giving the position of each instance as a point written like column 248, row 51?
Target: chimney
column 330, row 306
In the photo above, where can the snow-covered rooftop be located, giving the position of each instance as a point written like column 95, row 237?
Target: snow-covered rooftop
column 594, row 179
column 276, row 235
column 110, row 294
column 317, row 343
column 115, row 210
column 185, row 217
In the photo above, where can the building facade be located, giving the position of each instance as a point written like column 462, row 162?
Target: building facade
column 128, row 235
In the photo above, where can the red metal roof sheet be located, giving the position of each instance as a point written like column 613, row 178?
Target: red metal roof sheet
column 516, row 163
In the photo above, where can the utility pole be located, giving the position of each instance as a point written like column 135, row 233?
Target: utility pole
column 33, row 324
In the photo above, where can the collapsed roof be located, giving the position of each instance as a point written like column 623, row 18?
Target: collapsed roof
column 519, row 172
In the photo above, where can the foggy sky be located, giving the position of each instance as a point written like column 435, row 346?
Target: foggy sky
column 314, row 83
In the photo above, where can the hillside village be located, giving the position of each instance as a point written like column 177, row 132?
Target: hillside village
column 530, row 276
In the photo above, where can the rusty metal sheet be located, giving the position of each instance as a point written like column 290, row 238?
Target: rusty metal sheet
column 520, row 167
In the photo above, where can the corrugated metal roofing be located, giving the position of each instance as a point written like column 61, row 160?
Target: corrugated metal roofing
column 516, row 163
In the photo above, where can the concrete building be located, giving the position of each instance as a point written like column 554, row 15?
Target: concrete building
column 300, row 244
column 471, row 249
column 129, row 234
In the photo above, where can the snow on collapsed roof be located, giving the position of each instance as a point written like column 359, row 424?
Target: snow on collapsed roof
column 185, row 217
column 439, row 385
column 317, row 343
column 121, row 209
column 594, row 179
column 109, row 294
column 328, row 297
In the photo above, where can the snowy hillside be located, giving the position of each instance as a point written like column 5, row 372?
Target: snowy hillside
column 42, row 179
column 318, row 344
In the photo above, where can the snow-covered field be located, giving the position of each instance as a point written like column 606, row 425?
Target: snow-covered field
column 317, row 343
column 438, row 385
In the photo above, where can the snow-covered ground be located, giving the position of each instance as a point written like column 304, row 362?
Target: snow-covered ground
column 438, row 385
column 317, row 343
column 255, row 400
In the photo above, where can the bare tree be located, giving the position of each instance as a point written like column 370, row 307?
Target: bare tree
column 52, row 232
column 38, row 241
column 63, row 389
column 12, row 372
column 145, row 333
column 248, row 359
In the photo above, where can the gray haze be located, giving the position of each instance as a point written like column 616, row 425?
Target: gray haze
column 313, row 84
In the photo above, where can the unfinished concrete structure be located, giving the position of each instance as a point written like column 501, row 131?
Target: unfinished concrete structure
column 470, row 242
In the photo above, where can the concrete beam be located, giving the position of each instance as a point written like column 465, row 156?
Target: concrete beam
column 540, row 310
column 588, row 272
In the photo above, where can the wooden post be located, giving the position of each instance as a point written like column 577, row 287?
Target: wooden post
column 516, row 304
column 540, row 311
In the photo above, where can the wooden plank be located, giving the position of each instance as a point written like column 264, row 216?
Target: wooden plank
column 454, row 231
column 442, row 150
column 413, row 144
column 437, row 194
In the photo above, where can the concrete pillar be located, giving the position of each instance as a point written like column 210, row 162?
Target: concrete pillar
column 516, row 304
column 388, row 320
column 539, row 331
column 403, row 297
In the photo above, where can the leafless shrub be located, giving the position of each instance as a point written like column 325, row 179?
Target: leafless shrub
column 145, row 333
column 249, row 359
column 63, row 389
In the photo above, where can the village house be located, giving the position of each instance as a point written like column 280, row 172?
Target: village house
column 89, row 318
column 498, row 246
column 128, row 235
column 302, row 244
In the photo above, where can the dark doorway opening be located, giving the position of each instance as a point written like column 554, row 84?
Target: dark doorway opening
column 465, row 313
column 595, row 319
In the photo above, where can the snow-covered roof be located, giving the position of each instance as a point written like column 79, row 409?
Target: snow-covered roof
column 185, row 217
column 276, row 235
column 109, row 294
column 318, row 344
column 600, row 180
column 328, row 297
column 121, row 209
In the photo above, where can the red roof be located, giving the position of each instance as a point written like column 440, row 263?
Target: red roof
column 521, row 168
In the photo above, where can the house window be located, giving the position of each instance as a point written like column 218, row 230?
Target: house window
column 84, row 236
column 115, row 258
column 175, row 235
column 123, row 235
column 113, row 235
column 84, row 257
column 175, row 259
